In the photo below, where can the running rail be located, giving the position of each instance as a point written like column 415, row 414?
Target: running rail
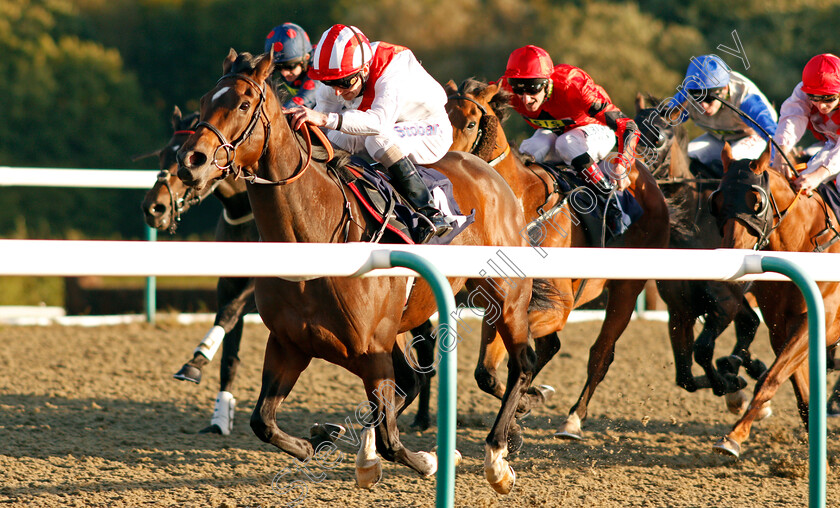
column 111, row 258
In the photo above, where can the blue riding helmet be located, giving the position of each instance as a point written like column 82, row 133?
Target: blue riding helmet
column 290, row 43
column 706, row 72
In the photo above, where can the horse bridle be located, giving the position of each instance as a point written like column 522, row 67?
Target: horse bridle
column 481, row 131
column 759, row 221
column 259, row 112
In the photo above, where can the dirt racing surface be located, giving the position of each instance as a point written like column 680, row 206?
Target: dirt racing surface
column 92, row 417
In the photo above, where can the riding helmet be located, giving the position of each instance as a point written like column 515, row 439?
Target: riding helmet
column 290, row 43
column 705, row 72
column 529, row 62
column 821, row 75
column 343, row 50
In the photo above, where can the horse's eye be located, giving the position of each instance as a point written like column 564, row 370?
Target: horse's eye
column 471, row 125
column 245, row 106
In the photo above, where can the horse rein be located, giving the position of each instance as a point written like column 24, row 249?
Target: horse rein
column 259, row 112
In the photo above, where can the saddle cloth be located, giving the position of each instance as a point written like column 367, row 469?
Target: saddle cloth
column 569, row 184
column 374, row 190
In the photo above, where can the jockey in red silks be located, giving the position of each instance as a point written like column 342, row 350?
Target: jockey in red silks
column 379, row 99
column 814, row 105
column 292, row 57
column 576, row 122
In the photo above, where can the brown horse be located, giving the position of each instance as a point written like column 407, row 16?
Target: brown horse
column 162, row 207
column 719, row 303
column 756, row 208
column 476, row 111
column 351, row 322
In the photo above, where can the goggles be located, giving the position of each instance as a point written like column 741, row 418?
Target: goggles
column 706, row 96
column 530, row 86
column 822, row 98
column 344, row 83
column 286, row 66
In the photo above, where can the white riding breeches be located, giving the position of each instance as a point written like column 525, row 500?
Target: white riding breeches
column 422, row 142
column 707, row 148
column 595, row 139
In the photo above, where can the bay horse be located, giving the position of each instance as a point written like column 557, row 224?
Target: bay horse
column 756, row 208
column 351, row 322
column 162, row 208
column 477, row 110
column 719, row 303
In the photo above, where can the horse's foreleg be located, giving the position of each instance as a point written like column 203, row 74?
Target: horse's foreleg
column 490, row 355
column 620, row 305
column 384, row 394
column 681, row 334
column 281, row 368
column 746, row 326
column 791, row 357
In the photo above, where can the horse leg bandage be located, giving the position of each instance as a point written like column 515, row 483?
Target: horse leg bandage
column 211, row 342
column 223, row 412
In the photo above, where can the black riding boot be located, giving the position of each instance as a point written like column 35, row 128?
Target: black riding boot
column 407, row 181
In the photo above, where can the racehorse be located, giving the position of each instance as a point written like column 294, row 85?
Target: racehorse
column 162, row 208
column 719, row 303
column 476, row 110
column 756, row 208
column 351, row 322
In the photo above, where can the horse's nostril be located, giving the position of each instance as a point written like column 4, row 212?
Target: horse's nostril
column 196, row 159
column 158, row 209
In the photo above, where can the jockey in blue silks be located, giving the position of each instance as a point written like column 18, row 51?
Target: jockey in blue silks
column 706, row 79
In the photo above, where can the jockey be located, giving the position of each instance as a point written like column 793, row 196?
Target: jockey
column 292, row 55
column 380, row 100
column 576, row 122
column 813, row 105
column 708, row 77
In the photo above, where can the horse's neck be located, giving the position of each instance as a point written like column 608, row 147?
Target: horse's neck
column 309, row 209
column 802, row 222
column 233, row 194
column 678, row 161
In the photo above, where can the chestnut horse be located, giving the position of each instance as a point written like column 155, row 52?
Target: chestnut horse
column 351, row 322
column 757, row 209
column 476, row 111
column 162, row 208
column 719, row 303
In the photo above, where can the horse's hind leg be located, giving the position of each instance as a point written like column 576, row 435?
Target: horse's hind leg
column 281, row 368
column 620, row 305
column 790, row 361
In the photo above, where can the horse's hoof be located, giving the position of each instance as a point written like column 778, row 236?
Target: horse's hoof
column 211, row 429
column 736, row 402
column 506, row 483
column 514, row 439
column 421, row 422
column 326, row 433
column 727, row 446
column 545, row 392
column 570, row 430
column 458, row 456
column 833, row 408
column 765, row 412
column 188, row 373
column 369, row 475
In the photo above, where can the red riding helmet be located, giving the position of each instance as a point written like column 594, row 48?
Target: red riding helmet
column 529, row 62
column 821, row 75
column 343, row 50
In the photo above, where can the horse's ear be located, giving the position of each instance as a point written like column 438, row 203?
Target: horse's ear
column 640, row 102
column 763, row 161
column 490, row 91
column 450, row 88
column 726, row 156
column 264, row 66
column 229, row 59
column 176, row 118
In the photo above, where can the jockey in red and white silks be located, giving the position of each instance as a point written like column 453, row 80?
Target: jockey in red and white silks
column 813, row 105
column 379, row 99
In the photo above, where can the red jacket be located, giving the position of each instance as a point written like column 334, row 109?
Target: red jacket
column 575, row 100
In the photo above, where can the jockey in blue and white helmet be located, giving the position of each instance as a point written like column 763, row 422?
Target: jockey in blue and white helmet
column 292, row 56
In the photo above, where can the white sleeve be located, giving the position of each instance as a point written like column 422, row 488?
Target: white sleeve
column 793, row 119
column 387, row 102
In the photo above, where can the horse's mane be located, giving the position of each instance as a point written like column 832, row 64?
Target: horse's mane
column 189, row 122
column 500, row 103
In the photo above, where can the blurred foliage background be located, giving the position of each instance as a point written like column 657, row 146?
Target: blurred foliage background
column 91, row 83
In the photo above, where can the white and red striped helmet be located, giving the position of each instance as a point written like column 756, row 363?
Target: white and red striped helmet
column 342, row 51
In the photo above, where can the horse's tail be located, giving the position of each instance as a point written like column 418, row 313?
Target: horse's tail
column 544, row 296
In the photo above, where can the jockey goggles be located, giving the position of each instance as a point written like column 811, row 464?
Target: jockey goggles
column 527, row 86
column 707, row 96
column 344, row 83
column 823, row 98
column 287, row 66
